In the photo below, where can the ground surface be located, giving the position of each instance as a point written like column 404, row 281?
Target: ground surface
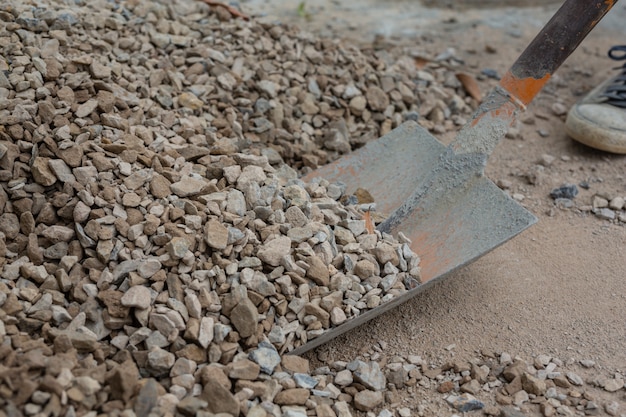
column 556, row 289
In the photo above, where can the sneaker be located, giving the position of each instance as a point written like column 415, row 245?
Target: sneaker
column 599, row 119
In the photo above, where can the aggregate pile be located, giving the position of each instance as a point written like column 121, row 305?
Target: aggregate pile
column 159, row 253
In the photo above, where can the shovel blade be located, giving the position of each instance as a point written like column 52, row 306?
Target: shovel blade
column 462, row 224
column 457, row 226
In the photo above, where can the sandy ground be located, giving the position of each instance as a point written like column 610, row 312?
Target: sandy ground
column 557, row 289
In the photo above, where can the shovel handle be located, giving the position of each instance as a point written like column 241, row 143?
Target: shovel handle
column 532, row 70
column 551, row 47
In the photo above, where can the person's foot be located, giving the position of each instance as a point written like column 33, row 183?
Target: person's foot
column 599, row 119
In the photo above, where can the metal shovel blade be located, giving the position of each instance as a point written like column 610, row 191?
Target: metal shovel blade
column 462, row 223
column 458, row 225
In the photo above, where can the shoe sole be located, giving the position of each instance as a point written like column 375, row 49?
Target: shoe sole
column 585, row 131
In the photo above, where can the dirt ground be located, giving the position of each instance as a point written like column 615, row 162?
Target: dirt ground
column 557, row 289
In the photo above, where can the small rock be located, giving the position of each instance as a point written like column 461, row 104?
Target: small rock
column 377, row 99
column 574, row 378
column 147, row 398
column 266, row 357
column 160, row 361
column 275, row 250
column 559, row 109
column 367, row 400
column 292, row 396
column 445, row 387
column 368, row 374
column 42, row 174
column 568, row 191
column 511, row 412
column 245, row 317
column 616, row 203
column 613, row 385
column 137, row 296
column 188, row 187
column 612, row 408
column 465, row 402
column 605, row 214
column 189, row 100
column 86, row 108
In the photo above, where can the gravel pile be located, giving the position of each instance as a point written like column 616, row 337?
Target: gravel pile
column 159, row 253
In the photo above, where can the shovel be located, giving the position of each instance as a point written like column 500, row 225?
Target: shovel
column 437, row 195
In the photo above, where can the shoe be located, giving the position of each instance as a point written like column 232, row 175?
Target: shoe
column 599, row 119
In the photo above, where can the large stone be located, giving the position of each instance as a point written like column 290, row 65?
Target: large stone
column 216, row 234
column 245, row 317
column 273, row 251
column 188, row 187
column 293, row 396
column 368, row 374
column 244, row 369
column 219, row 398
column 318, row 271
column 58, row 234
column 160, row 186
column 137, row 296
column 266, row 356
column 367, row 400
column 295, row 364
column 532, row 385
column 123, row 379
column 42, row 174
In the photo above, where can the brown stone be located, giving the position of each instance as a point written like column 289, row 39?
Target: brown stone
column 367, row 400
column 533, row 385
column 160, row 186
column 245, row 317
column 322, row 315
column 295, row 364
column 514, row 386
column 244, row 369
column 376, row 98
column 122, row 380
column 219, row 398
column 292, row 396
column 192, row 352
column 445, row 386
column 318, row 271
column 42, row 174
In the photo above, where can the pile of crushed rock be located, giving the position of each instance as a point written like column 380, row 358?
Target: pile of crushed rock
column 159, row 253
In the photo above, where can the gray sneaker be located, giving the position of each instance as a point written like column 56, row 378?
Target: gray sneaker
column 599, row 119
